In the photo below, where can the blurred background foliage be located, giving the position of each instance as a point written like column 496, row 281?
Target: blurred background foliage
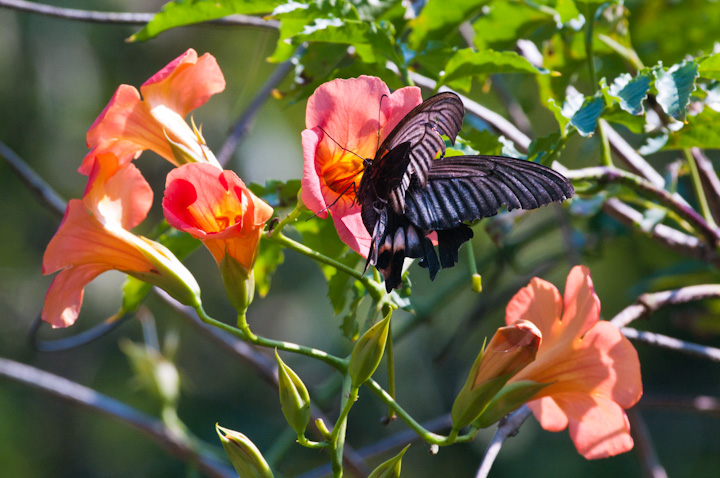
column 56, row 75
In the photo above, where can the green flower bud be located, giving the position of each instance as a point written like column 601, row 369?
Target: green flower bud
column 390, row 468
column 294, row 397
column 368, row 352
column 477, row 283
column 243, row 454
column 239, row 283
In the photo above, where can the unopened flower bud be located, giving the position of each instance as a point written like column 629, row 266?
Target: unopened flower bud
column 368, row 352
column 239, row 283
column 243, row 454
column 294, row 397
column 390, row 468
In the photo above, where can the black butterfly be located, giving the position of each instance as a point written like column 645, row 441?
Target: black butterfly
column 405, row 192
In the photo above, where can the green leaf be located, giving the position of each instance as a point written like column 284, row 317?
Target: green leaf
column 543, row 148
column 338, row 282
column 636, row 124
column 701, row 131
column 440, row 17
column 467, row 63
column 503, row 23
column 709, row 66
column 306, row 19
column 350, row 326
column 320, row 234
column 277, row 193
column 586, row 117
column 270, row 256
column 557, row 110
column 482, row 142
column 188, row 12
column 674, row 87
column 373, row 42
column 630, row 92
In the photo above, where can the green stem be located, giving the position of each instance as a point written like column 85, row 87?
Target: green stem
column 391, row 371
column 292, row 217
column 337, row 438
column 605, row 156
column 375, row 290
column 699, row 191
column 336, row 362
column 302, row 440
column 589, row 26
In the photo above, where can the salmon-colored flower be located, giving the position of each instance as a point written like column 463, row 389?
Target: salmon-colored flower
column 357, row 114
column 94, row 237
column 215, row 206
column 129, row 125
column 592, row 370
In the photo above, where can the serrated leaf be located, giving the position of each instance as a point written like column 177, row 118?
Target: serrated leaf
column 556, row 110
column 467, row 63
column 509, row 148
column 701, row 131
column 631, row 92
column 270, row 256
column 187, row 12
column 350, row 326
column 674, row 87
column 320, row 235
column 585, row 119
column 709, row 66
column 502, row 23
column 373, row 42
column 636, row 124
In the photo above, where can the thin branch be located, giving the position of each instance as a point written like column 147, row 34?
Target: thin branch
column 33, row 181
column 650, row 303
column 644, row 448
column 710, row 182
column 77, row 394
column 700, row 404
column 672, row 343
column 605, row 174
column 508, row 427
column 244, row 123
column 266, row 368
column 96, row 332
column 671, row 238
column 631, row 158
column 122, row 18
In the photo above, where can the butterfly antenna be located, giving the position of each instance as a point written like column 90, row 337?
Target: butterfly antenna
column 340, row 146
column 377, row 144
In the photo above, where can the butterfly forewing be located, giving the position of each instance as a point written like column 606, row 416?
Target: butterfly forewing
column 468, row 188
column 422, row 128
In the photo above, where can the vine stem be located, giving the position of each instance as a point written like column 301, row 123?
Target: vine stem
column 337, row 437
column 699, row 191
column 336, row 362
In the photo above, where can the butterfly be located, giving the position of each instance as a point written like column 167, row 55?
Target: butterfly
column 406, row 193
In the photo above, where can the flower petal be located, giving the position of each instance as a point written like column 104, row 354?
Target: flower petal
column 581, row 304
column 551, row 417
column 598, row 426
column 312, row 187
column 65, row 295
column 185, row 83
column 540, row 303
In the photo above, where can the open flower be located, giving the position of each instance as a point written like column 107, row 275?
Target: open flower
column 215, row 206
column 357, row 114
column 129, row 125
column 94, row 237
column 592, row 370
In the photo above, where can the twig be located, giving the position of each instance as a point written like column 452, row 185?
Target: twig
column 122, row 18
column 86, row 397
column 243, row 124
column 699, row 404
column 33, row 181
column 508, row 427
column 671, row 238
column 603, row 174
column 77, row 340
column 644, row 448
column 630, row 157
column 672, row 343
column 650, row 303
column 710, row 182
column 266, row 368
